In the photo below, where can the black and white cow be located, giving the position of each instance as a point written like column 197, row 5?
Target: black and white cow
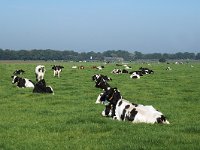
column 146, row 70
column 121, row 109
column 57, row 70
column 22, row 82
column 18, row 72
column 117, row 71
column 40, row 87
column 97, row 76
column 134, row 75
column 39, row 72
column 101, row 83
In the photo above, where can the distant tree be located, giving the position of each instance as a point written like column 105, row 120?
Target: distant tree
column 162, row 60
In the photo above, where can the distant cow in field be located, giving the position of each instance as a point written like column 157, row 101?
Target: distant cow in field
column 57, row 70
column 124, row 71
column 39, row 72
column 100, row 67
column 97, row 76
column 146, row 70
column 40, row 87
column 168, row 68
column 18, row 72
column 134, row 75
column 116, row 71
column 101, row 81
column 74, row 67
column 81, row 67
column 121, row 109
column 22, row 82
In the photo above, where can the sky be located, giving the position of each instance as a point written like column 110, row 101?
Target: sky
column 147, row 26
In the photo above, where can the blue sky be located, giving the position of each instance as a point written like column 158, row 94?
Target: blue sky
column 147, row 26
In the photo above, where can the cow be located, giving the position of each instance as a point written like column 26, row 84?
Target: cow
column 74, row 67
column 139, row 72
column 134, row 75
column 101, row 83
column 123, row 110
column 18, row 72
column 127, row 67
column 39, row 72
column 117, row 71
column 168, row 68
column 100, row 67
column 56, row 70
column 146, row 70
column 81, row 67
column 40, row 87
column 124, row 71
column 97, row 76
column 22, row 82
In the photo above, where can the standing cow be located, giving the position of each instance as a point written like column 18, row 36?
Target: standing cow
column 57, row 70
column 39, row 72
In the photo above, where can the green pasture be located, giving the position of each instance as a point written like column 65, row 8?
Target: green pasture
column 70, row 119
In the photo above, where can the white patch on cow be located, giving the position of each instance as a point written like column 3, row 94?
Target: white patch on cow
column 145, row 114
column 134, row 75
column 98, row 101
column 28, row 83
column 40, row 71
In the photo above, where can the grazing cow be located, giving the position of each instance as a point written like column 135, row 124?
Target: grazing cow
column 39, row 72
column 22, row 82
column 57, row 70
column 123, row 110
column 40, row 87
column 117, row 71
column 134, row 75
column 18, row 72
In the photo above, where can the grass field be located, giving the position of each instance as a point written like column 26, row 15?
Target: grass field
column 70, row 119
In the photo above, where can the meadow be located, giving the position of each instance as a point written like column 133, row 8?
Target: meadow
column 70, row 119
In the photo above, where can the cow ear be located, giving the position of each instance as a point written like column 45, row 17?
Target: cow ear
column 12, row 76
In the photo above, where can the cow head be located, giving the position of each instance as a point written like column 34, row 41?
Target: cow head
column 15, row 79
column 112, row 95
column 101, row 83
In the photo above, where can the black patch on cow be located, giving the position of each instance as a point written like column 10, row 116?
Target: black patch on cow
column 132, row 115
column 123, row 114
column 136, row 105
column 21, row 82
column 40, row 87
column 161, row 119
column 120, row 103
column 127, row 106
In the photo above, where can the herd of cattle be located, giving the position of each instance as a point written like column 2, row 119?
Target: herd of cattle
column 116, row 106
column 40, row 85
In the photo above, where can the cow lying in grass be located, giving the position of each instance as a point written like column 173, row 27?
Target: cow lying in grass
column 123, row 110
column 22, row 82
column 101, row 81
column 40, row 87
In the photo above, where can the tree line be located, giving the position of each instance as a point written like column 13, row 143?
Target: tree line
column 70, row 55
